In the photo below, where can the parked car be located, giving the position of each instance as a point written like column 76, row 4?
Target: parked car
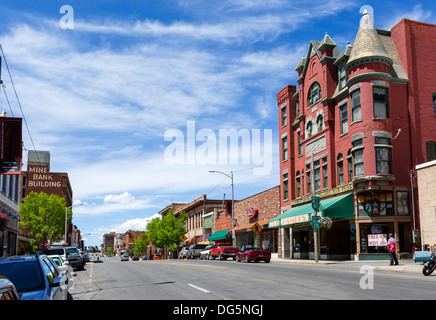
column 150, row 257
column 124, row 257
column 194, row 251
column 8, row 290
column 223, row 251
column 204, row 254
column 135, row 258
column 35, row 277
column 157, row 256
column 70, row 254
column 61, row 264
column 249, row 253
column 182, row 253
column 145, row 258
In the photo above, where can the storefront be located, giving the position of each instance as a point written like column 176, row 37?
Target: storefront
column 380, row 212
column 252, row 215
column 337, row 235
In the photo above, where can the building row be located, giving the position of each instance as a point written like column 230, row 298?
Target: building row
column 356, row 134
column 15, row 185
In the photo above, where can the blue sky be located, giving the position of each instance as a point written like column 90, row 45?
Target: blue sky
column 102, row 96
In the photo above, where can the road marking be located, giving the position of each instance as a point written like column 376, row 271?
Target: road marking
column 198, row 288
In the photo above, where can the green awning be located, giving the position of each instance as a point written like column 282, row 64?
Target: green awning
column 219, row 235
column 341, row 207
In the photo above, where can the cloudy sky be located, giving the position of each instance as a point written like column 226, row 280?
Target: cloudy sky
column 132, row 97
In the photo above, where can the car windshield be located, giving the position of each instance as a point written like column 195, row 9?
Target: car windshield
column 57, row 260
column 26, row 276
column 53, row 251
column 72, row 251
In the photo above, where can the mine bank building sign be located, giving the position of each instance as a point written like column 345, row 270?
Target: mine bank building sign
column 40, row 179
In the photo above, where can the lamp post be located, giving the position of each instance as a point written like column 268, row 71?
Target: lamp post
column 233, row 203
column 66, row 212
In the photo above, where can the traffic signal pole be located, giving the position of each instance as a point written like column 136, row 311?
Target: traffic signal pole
column 315, row 232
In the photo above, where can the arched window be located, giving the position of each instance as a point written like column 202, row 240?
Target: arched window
column 309, row 129
column 319, row 122
column 314, row 94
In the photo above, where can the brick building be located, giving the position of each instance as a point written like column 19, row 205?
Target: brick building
column 258, row 209
column 365, row 115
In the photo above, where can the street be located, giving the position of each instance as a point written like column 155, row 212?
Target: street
column 193, row 280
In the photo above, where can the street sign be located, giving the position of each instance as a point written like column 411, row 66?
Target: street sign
column 315, row 203
column 316, row 225
column 183, row 237
column 256, row 228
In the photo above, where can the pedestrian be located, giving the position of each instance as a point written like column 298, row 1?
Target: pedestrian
column 392, row 248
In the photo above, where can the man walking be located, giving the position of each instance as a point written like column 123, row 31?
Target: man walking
column 392, row 248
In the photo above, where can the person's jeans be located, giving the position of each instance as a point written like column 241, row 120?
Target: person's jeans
column 393, row 257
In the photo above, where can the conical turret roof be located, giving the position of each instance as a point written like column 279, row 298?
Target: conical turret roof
column 367, row 43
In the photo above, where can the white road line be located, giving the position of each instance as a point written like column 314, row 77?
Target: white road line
column 198, row 288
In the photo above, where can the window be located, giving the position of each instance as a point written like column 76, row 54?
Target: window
column 358, row 157
column 434, row 102
column 317, row 175
column 403, row 203
column 375, row 204
column 324, row 173
column 356, row 114
column 308, row 179
column 300, row 145
column 350, row 166
column 284, row 116
column 285, row 148
column 298, row 184
column 285, row 186
column 297, row 108
column 314, row 94
column 309, row 129
column 383, row 155
column 340, row 163
column 344, row 119
column 380, row 98
column 430, row 149
column 319, row 122
column 342, row 76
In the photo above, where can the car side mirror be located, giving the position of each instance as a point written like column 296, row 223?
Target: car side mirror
column 57, row 282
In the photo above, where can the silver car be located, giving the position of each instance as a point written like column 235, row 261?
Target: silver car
column 205, row 253
column 124, row 257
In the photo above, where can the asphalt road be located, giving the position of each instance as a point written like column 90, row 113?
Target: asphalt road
column 196, row 280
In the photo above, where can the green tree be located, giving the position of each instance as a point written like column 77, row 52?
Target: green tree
column 166, row 232
column 140, row 244
column 109, row 251
column 43, row 217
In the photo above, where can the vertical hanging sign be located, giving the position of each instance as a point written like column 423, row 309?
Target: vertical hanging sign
column 10, row 145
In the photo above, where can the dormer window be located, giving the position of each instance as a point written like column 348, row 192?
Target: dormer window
column 314, row 94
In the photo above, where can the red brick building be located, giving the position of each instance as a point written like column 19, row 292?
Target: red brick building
column 365, row 114
column 258, row 209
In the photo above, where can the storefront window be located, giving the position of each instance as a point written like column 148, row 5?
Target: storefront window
column 403, row 203
column 373, row 238
column 375, row 204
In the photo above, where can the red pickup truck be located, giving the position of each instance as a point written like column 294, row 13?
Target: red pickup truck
column 223, row 251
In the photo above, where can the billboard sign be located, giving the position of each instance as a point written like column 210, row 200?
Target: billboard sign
column 11, row 151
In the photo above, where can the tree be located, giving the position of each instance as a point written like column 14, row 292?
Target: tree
column 43, row 217
column 140, row 244
column 166, row 232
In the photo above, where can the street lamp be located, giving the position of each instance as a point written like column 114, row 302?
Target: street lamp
column 233, row 203
column 66, row 211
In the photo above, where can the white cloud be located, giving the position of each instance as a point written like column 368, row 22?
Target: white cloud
column 122, row 199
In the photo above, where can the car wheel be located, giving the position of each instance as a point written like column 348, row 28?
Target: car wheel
column 267, row 261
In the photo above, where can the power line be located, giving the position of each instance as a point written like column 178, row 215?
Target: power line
column 18, row 100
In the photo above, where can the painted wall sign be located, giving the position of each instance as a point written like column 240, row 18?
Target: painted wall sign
column 251, row 212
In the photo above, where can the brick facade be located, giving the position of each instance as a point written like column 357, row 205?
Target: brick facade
column 365, row 114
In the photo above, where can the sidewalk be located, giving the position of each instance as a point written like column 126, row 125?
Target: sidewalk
column 404, row 264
